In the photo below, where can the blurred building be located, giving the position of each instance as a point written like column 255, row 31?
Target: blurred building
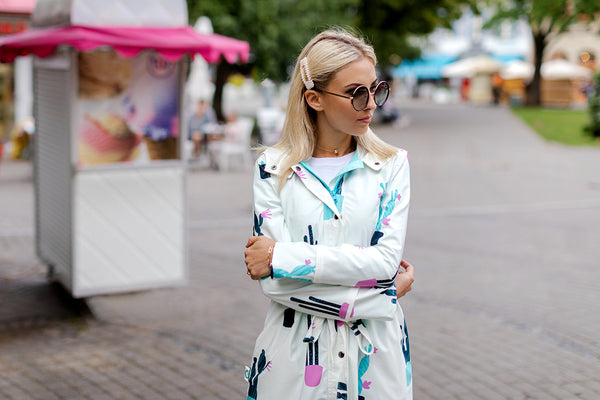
column 509, row 43
column 579, row 45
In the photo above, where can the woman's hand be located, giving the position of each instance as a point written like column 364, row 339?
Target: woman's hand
column 404, row 279
column 258, row 256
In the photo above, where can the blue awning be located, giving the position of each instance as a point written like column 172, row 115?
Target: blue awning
column 504, row 58
column 429, row 66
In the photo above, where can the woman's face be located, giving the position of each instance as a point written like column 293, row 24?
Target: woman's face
column 337, row 115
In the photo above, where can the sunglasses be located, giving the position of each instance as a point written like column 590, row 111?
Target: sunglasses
column 360, row 96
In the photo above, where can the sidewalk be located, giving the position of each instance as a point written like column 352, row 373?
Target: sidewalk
column 161, row 344
column 502, row 232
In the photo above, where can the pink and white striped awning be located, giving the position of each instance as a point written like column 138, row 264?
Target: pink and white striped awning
column 171, row 43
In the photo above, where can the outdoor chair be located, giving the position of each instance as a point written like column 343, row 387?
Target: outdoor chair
column 236, row 143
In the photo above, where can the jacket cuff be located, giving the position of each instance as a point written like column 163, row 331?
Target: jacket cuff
column 294, row 261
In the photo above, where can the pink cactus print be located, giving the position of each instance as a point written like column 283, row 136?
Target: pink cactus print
column 266, row 214
column 300, row 174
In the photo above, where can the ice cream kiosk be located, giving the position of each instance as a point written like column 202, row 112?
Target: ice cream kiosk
column 109, row 168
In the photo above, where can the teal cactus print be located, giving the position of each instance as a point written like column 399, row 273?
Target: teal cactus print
column 310, row 239
column 384, row 212
column 342, row 392
column 363, row 366
column 251, row 375
column 259, row 220
column 406, row 352
column 297, row 273
column 263, row 174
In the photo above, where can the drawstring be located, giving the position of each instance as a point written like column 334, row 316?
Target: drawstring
column 358, row 328
column 361, row 334
column 314, row 330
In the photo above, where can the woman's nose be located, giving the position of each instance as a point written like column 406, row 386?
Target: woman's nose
column 371, row 105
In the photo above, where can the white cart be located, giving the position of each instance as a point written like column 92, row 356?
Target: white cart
column 120, row 225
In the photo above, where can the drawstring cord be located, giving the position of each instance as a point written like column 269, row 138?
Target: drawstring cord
column 361, row 334
column 314, row 330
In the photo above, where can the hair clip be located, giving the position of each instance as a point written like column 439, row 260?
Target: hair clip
column 305, row 74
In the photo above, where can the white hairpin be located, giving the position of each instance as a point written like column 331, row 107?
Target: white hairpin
column 305, row 74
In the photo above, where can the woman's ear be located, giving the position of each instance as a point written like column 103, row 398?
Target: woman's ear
column 313, row 100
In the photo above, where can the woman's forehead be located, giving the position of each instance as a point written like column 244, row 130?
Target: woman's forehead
column 361, row 72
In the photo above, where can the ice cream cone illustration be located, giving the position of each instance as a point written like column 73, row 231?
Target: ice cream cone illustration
column 105, row 138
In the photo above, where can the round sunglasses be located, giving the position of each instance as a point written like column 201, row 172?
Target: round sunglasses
column 360, row 96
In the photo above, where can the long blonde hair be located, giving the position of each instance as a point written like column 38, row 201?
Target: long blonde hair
column 326, row 54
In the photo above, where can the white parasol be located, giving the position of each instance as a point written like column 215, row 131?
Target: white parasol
column 468, row 67
column 517, row 69
column 563, row 69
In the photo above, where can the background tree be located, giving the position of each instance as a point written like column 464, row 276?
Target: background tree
column 278, row 29
column 547, row 18
column 391, row 23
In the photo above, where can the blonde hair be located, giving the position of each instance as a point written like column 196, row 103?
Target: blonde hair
column 326, row 54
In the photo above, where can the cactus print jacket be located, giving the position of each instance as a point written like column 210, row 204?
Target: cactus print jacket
column 334, row 329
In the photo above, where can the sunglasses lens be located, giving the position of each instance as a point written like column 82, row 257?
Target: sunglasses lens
column 381, row 93
column 360, row 98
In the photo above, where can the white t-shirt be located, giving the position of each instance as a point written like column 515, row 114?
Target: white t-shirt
column 327, row 168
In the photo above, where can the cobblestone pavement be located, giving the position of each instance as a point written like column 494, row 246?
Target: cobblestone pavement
column 503, row 233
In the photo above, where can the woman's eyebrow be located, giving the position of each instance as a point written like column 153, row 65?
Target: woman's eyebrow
column 354, row 85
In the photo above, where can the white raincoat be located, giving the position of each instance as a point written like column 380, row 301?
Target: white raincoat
column 334, row 329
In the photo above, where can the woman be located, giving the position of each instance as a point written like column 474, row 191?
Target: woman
column 330, row 213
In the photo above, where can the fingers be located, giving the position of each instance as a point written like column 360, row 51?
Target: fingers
column 405, row 264
column 257, row 272
column 252, row 240
column 257, row 256
column 404, row 279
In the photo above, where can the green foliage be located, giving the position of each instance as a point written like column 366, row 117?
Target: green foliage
column 545, row 17
column 557, row 125
column 389, row 23
column 593, row 126
column 276, row 29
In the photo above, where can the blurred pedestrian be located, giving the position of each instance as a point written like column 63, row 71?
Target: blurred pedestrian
column 464, row 89
column 497, row 83
column 330, row 213
column 202, row 127
column 21, row 137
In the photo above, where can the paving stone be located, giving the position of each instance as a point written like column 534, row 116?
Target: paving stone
column 502, row 234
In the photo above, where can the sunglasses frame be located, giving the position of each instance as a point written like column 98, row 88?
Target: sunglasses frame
column 369, row 93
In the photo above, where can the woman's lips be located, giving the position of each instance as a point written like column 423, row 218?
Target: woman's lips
column 366, row 120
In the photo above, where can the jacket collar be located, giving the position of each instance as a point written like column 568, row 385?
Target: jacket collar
column 369, row 159
column 274, row 158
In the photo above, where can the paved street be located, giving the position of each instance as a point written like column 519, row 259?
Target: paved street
column 504, row 231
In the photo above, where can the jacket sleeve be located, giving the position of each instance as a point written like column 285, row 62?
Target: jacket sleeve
column 324, row 300
column 356, row 266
